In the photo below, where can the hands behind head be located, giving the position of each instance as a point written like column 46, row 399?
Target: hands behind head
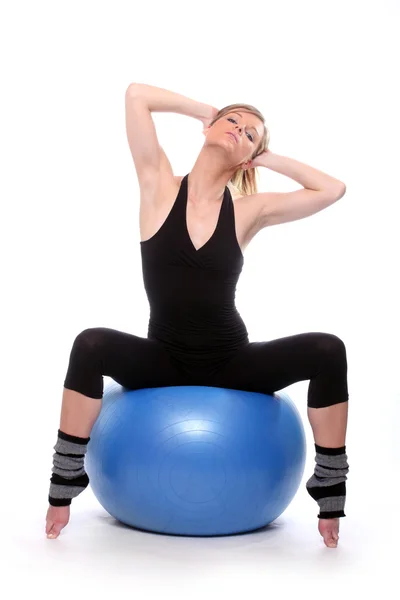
column 258, row 161
column 212, row 113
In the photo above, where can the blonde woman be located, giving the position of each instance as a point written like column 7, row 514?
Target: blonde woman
column 194, row 230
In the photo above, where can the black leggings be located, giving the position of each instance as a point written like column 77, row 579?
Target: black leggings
column 135, row 362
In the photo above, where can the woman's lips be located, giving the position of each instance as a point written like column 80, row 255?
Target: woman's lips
column 229, row 133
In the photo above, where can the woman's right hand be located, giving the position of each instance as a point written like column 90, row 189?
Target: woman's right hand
column 212, row 113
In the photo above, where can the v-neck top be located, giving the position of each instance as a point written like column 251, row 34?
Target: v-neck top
column 192, row 292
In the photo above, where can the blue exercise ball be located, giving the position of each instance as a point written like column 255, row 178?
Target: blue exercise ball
column 195, row 460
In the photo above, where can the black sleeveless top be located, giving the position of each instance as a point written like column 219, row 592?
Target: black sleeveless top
column 192, row 292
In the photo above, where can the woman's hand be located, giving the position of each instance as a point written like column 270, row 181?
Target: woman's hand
column 212, row 113
column 261, row 160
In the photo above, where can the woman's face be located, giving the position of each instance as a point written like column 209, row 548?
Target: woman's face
column 240, row 132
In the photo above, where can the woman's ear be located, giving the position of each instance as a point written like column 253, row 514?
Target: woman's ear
column 246, row 165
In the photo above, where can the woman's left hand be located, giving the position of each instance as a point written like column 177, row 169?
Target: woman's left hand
column 260, row 160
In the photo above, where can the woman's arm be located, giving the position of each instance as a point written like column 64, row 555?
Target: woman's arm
column 309, row 177
column 161, row 100
column 320, row 191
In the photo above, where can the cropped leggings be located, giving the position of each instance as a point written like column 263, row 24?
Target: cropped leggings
column 136, row 362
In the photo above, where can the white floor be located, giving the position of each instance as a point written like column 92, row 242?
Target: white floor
column 97, row 555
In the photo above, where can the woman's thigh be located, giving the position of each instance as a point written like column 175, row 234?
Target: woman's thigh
column 132, row 361
column 271, row 366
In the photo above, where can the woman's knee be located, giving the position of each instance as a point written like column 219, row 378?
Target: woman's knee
column 84, row 373
column 332, row 347
column 89, row 340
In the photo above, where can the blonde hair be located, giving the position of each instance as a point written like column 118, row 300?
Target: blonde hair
column 242, row 181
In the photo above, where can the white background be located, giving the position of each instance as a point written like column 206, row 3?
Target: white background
column 324, row 74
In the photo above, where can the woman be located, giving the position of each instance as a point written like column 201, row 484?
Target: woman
column 193, row 238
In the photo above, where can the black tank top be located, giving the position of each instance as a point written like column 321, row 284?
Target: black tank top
column 192, row 292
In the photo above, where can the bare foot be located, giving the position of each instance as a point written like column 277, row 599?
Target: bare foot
column 329, row 529
column 57, row 518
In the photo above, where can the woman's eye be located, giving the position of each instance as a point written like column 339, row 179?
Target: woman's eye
column 230, row 119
